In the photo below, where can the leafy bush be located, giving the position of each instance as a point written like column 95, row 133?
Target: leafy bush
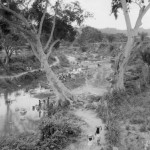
column 83, row 49
column 113, row 134
column 111, row 48
column 24, row 141
column 17, row 67
column 102, row 112
column 58, row 130
column 55, row 133
column 64, row 62
column 137, row 121
column 115, row 100
column 103, row 45
column 20, row 63
column 143, row 128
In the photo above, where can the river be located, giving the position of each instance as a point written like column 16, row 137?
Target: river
column 20, row 110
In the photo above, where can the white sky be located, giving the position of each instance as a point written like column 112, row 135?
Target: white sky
column 103, row 17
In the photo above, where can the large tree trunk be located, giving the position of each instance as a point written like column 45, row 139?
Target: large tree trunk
column 62, row 93
column 123, row 64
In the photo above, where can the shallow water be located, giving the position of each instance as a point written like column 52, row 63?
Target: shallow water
column 20, row 111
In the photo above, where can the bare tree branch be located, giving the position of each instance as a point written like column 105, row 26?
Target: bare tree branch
column 22, row 18
column 51, row 47
column 142, row 12
column 137, row 3
column 52, row 31
column 42, row 19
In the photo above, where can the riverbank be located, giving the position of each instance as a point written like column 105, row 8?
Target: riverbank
column 127, row 119
column 29, row 80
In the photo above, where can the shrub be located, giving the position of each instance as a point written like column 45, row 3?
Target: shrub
column 56, row 132
column 64, row 62
column 143, row 128
column 137, row 121
column 25, row 141
column 17, row 67
column 111, row 48
column 102, row 113
column 84, row 49
column 113, row 134
column 103, row 45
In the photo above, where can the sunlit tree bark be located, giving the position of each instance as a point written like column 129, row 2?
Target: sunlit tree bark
column 131, row 33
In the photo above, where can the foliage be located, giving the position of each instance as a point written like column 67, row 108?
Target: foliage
column 102, row 113
column 89, row 35
column 116, row 4
column 84, row 49
column 142, row 36
column 20, row 142
column 146, row 55
column 66, row 14
column 56, row 132
column 113, row 134
column 137, row 121
column 11, row 42
column 111, row 48
column 64, row 62
column 20, row 63
column 110, row 38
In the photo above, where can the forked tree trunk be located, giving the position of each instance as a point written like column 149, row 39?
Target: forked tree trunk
column 122, row 67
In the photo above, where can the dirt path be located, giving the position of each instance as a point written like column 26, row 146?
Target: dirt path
column 89, row 128
column 90, row 117
column 91, row 121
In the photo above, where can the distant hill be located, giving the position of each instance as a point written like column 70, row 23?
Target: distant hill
column 114, row 30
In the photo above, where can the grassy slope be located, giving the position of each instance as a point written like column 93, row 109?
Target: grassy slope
column 127, row 119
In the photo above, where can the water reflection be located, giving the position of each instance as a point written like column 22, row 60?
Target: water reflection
column 20, row 111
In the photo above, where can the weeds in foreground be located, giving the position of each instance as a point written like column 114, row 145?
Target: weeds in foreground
column 110, row 111
column 55, row 133
column 113, row 134
column 127, row 107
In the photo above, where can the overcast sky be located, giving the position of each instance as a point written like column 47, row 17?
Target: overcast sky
column 103, row 18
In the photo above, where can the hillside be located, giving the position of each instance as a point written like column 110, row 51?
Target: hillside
column 114, row 30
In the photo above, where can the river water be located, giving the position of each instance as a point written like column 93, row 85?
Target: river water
column 20, row 111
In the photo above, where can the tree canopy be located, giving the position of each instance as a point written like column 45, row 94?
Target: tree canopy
column 27, row 15
column 90, row 35
column 116, row 5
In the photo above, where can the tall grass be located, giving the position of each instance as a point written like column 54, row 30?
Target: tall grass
column 110, row 111
column 55, row 132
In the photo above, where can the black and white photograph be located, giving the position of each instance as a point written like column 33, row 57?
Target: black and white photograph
column 74, row 74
